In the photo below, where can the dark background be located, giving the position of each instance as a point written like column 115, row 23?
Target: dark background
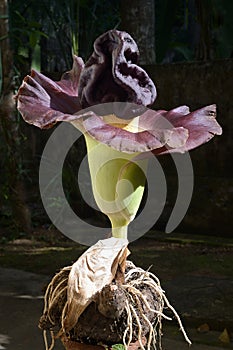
column 187, row 48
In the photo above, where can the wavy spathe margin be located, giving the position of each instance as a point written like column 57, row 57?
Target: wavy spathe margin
column 43, row 102
column 112, row 74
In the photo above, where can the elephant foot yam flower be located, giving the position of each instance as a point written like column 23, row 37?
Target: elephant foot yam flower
column 112, row 75
column 102, row 298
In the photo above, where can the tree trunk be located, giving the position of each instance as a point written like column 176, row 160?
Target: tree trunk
column 204, row 10
column 10, row 129
column 138, row 19
column 56, row 49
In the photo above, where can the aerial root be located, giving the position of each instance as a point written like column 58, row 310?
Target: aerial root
column 139, row 313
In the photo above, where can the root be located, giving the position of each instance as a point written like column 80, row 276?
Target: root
column 142, row 316
column 47, row 347
column 129, row 328
column 135, row 279
column 56, row 290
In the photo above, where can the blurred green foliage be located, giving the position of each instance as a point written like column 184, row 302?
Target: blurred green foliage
column 45, row 34
column 95, row 18
column 186, row 28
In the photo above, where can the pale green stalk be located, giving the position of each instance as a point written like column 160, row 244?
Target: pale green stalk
column 118, row 183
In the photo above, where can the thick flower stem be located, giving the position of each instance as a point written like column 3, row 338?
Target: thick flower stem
column 118, row 182
column 120, row 232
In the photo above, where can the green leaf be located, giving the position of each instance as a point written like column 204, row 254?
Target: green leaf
column 36, row 57
column 34, row 24
column 20, row 16
column 184, row 50
column 118, row 347
column 3, row 37
column 34, row 38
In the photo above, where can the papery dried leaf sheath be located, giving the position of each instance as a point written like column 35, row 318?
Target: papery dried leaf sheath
column 95, row 269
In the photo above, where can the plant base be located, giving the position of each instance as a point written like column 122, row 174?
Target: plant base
column 127, row 312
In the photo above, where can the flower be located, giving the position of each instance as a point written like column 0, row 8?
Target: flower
column 112, row 75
